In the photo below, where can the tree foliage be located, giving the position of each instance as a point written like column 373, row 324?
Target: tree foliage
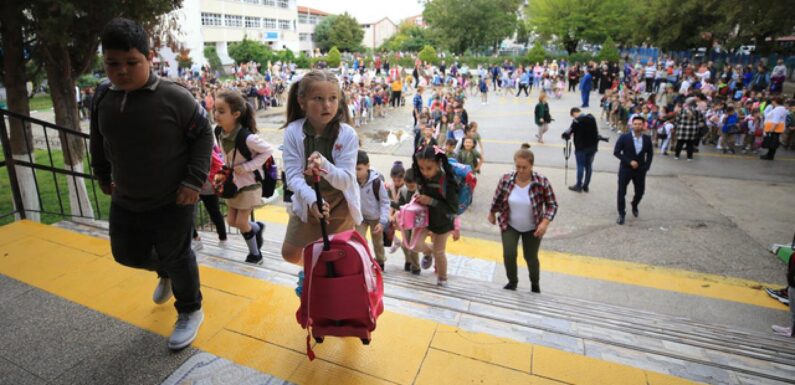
column 250, row 50
column 212, row 57
column 471, row 24
column 428, row 55
column 686, row 24
column 409, row 38
column 537, row 54
column 573, row 21
column 609, row 52
column 341, row 31
column 334, row 57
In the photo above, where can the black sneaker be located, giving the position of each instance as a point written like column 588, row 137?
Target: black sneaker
column 407, row 266
column 780, row 295
column 254, row 259
column 536, row 288
column 509, row 287
column 416, row 272
column 575, row 188
column 585, row 189
column 259, row 235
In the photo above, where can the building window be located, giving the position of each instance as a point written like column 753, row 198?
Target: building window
column 271, row 3
column 269, row 23
column 284, row 24
column 233, row 21
column 253, row 22
column 284, row 3
column 303, row 19
column 314, row 19
column 303, row 36
column 211, row 19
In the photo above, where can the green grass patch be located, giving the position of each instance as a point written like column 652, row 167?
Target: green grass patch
column 51, row 186
column 40, row 102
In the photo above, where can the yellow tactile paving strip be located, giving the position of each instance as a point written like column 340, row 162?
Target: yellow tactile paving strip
column 628, row 273
column 252, row 322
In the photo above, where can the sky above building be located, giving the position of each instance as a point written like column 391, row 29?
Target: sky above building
column 368, row 11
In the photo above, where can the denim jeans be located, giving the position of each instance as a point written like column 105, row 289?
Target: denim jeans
column 584, row 162
column 159, row 240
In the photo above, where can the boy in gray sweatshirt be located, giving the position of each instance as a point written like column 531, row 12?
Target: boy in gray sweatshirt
column 375, row 205
column 150, row 149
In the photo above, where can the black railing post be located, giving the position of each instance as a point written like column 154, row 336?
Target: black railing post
column 11, row 166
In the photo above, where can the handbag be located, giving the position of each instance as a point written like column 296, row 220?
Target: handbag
column 224, row 181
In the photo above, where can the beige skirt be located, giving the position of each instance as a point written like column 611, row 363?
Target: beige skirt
column 246, row 200
column 300, row 234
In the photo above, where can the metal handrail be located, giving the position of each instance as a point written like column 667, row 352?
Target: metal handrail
column 11, row 164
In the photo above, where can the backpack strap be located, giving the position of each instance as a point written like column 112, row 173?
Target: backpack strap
column 242, row 147
column 99, row 94
column 377, row 189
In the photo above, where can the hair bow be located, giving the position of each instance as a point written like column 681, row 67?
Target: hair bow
column 438, row 150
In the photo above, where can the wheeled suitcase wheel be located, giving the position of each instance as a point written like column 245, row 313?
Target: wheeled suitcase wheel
column 365, row 341
column 319, row 340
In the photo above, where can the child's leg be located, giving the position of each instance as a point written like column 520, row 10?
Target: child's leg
column 249, row 230
column 439, row 242
column 378, row 242
column 411, row 256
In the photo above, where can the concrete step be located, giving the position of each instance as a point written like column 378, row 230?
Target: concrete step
column 711, row 353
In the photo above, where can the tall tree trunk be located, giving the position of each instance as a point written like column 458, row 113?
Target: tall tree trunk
column 17, row 96
column 62, row 90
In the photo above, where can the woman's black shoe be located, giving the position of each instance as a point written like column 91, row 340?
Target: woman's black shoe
column 510, row 287
column 536, row 288
column 407, row 266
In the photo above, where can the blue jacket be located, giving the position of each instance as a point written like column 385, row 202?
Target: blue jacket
column 525, row 78
column 586, row 82
column 625, row 151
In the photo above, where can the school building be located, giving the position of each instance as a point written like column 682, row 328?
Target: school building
column 218, row 23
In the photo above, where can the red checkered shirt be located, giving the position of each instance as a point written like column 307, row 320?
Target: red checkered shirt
column 541, row 196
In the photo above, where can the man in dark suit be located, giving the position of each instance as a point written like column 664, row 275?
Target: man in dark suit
column 635, row 152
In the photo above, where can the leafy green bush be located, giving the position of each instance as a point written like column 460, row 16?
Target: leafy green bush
column 87, row 80
column 334, row 57
column 212, row 57
column 609, row 51
column 303, row 61
column 537, row 54
column 428, row 54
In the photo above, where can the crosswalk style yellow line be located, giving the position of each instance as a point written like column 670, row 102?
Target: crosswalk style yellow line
column 251, row 322
column 627, row 273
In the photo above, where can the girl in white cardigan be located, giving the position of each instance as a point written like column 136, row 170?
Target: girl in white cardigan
column 233, row 114
column 319, row 139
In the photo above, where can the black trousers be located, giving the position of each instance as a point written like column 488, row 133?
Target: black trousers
column 638, row 178
column 573, row 85
column 774, row 143
column 214, row 209
column 690, row 146
column 395, row 100
column 159, row 240
column 522, row 87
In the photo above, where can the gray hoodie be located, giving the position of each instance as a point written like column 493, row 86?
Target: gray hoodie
column 372, row 208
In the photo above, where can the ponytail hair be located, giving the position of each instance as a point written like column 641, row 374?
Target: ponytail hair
column 302, row 87
column 237, row 103
column 440, row 156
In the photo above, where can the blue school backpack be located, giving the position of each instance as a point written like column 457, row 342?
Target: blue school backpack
column 466, row 181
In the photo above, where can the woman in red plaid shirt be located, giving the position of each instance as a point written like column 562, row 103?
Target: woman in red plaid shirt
column 526, row 205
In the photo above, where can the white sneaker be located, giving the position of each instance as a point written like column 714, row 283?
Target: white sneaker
column 395, row 246
column 196, row 245
column 185, row 330
column 163, row 291
column 223, row 243
column 782, row 330
column 441, row 283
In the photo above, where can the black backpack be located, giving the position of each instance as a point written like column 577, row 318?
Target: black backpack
column 268, row 175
